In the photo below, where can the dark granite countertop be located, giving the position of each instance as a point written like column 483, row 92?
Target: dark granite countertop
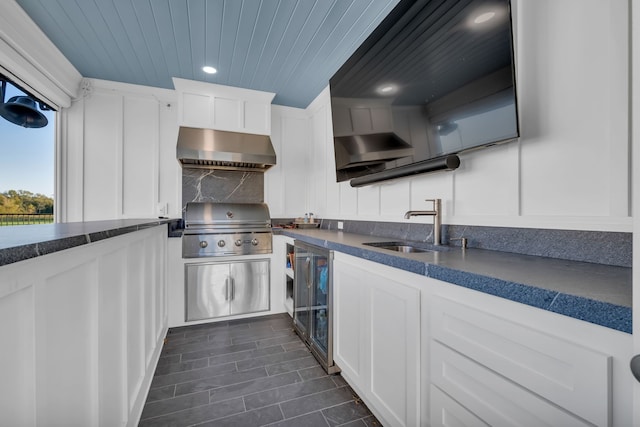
column 596, row 293
column 21, row 242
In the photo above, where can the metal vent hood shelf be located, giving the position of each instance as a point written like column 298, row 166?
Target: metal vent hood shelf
column 216, row 149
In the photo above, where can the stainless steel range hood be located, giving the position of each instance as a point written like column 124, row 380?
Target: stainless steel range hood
column 216, row 149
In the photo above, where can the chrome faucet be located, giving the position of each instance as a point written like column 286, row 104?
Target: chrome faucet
column 436, row 213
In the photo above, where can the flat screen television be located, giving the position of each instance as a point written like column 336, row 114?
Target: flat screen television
column 436, row 78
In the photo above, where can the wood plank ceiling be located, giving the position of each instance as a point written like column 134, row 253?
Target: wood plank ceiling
column 290, row 47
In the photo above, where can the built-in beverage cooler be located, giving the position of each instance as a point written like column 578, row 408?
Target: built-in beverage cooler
column 312, row 300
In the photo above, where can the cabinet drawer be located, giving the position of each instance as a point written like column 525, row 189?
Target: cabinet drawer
column 491, row 397
column 569, row 375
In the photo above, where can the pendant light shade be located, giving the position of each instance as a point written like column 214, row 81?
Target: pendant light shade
column 23, row 111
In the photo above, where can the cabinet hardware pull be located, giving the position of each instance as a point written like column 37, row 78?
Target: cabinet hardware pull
column 308, row 266
column 635, row 366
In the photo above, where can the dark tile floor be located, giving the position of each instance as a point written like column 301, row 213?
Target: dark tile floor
column 250, row 372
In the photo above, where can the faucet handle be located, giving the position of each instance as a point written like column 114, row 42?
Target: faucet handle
column 463, row 241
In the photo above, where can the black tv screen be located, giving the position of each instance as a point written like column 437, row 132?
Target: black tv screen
column 434, row 79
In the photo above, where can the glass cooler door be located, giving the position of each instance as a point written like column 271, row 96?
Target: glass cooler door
column 301, row 290
column 318, row 315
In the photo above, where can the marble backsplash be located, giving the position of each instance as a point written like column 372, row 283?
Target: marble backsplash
column 205, row 185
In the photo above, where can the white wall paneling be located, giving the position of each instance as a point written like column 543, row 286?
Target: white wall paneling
column 570, row 169
column 102, row 156
column 287, row 185
column 208, row 105
column 118, row 154
column 580, row 106
column 140, row 156
column 88, row 329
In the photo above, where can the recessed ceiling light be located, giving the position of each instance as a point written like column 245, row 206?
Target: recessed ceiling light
column 209, row 70
column 484, row 17
column 387, row 89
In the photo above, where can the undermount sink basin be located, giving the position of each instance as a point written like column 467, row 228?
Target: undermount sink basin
column 397, row 247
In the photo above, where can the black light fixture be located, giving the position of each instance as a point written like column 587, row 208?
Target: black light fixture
column 22, row 110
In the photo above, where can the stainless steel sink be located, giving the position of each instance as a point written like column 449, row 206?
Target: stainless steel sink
column 397, row 247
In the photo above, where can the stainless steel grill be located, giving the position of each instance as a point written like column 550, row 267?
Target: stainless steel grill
column 223, row 229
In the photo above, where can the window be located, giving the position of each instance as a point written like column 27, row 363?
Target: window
column 27, row 159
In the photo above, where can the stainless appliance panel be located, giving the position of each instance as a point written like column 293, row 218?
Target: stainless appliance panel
column 207, row 291
column 201, row 245
column 250, row 287
column 216, row 149
column 219, row 289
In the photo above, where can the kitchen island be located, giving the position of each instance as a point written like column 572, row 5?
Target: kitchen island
column 84, row 310
column 18, row 243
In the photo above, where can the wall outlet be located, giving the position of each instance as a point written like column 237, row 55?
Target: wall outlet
column 340, row 225
column 163, row 209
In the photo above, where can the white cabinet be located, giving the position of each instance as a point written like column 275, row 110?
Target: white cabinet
column 377, row 338
column 282, row 271
column 420, row 351
column 212, row 106
column 508, row 371
column 87, row 327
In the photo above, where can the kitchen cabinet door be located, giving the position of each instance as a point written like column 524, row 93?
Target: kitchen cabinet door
column 249, row 287
column 207, row 291
column 207, row 105
column 378, row 339
column 226, row 288
column 512, row 364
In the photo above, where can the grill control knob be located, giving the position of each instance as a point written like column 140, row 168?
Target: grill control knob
column 238, row 242
column 254, row 242
column 203, row 244
column 221, row 243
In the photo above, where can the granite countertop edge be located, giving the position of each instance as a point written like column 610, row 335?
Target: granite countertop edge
column 19, row 243
column 591, row 310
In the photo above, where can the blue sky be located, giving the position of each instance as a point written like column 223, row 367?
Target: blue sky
column 27, row 155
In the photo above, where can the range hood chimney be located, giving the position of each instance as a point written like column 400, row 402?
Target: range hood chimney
column 216, row 149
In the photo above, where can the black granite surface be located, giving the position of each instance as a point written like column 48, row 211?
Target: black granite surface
column 21, row 242
column 207, row 185
column 596, row 293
